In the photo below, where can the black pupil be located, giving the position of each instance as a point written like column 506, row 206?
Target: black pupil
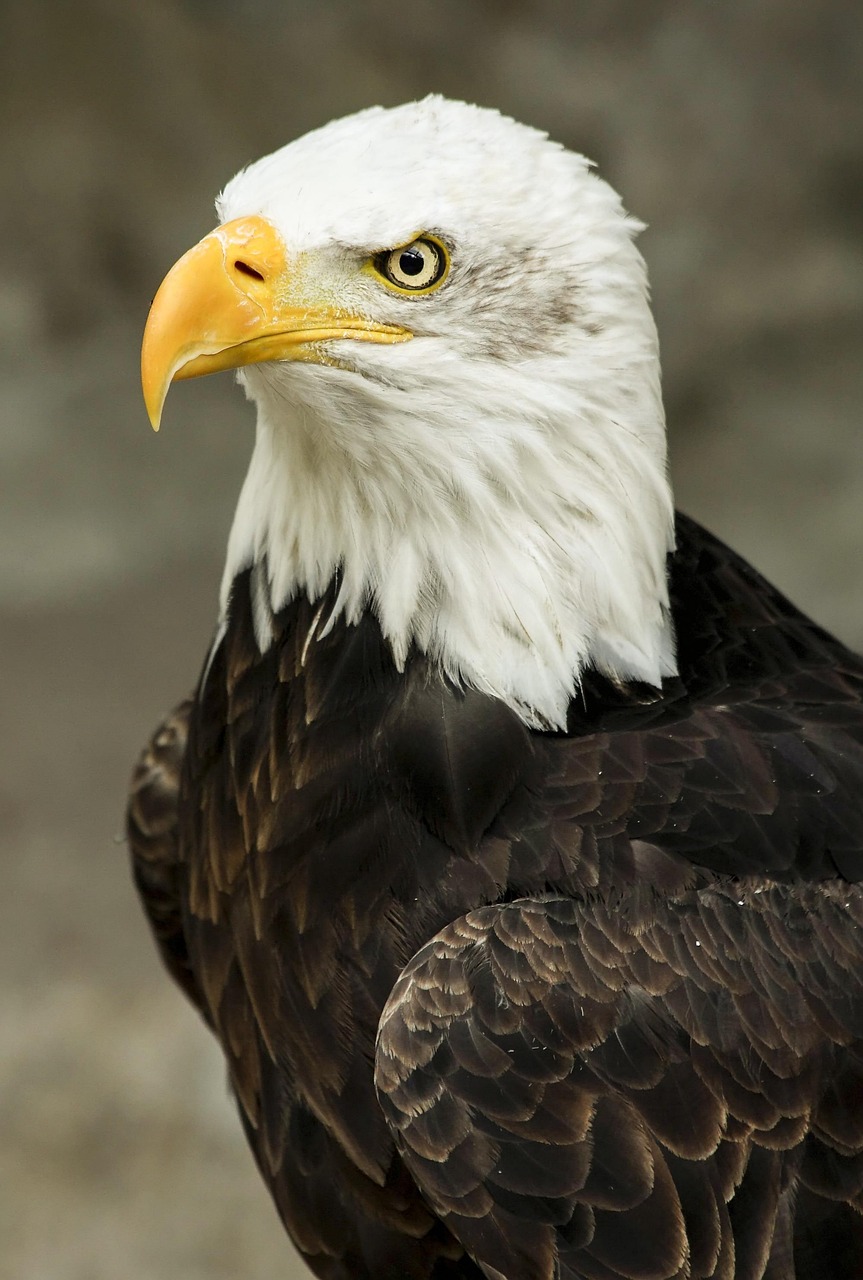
column 411, row 262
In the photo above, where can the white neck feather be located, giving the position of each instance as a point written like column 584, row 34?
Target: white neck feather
column 510, row 518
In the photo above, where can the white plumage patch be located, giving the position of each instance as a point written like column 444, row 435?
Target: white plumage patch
column 494, row 489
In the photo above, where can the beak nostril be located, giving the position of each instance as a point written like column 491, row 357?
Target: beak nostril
column 246, row 270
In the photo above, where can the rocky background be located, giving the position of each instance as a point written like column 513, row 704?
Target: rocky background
column 735, row 129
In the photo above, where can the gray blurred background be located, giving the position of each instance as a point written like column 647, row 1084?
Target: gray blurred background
column 734, row 129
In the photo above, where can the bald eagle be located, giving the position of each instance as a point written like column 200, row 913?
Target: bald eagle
column 511, row 840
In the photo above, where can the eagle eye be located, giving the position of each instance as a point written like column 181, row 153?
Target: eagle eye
column 417, row 267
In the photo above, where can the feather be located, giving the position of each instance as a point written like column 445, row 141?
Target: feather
column 512, row 841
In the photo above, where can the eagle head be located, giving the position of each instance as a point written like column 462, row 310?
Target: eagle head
column 443, row 321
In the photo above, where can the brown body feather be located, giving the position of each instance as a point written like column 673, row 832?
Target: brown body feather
column 622, row 966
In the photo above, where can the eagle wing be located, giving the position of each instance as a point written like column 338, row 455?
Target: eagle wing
column 333, row 814
column 611, row 1088
column 152, row 830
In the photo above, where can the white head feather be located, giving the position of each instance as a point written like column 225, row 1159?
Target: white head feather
column 494, row 489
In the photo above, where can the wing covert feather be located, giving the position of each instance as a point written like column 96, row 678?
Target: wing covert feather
column 564, row 1122
column 152, row 830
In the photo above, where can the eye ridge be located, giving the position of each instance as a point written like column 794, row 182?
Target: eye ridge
column 416, row 267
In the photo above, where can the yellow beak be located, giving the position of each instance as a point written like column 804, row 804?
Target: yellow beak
column 233, row 300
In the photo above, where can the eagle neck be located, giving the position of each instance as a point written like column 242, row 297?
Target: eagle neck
column 511, row 565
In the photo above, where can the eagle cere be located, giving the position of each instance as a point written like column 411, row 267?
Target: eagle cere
column 511, row 841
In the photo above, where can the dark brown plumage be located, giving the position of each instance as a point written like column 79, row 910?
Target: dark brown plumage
column 620, row 969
